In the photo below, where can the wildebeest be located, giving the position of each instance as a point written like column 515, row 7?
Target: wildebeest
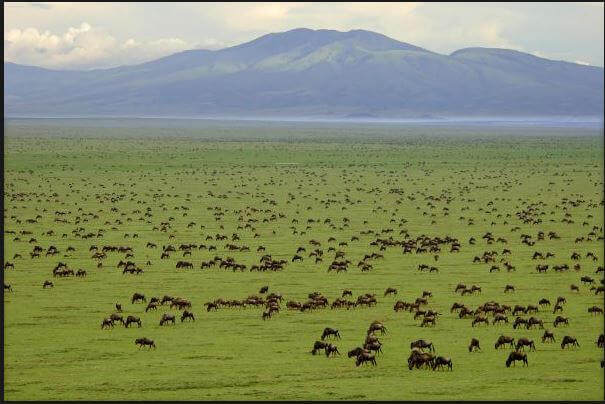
column 600, row 341
column 390, row 291
column 418, row 359
column 47, row 283
column 519, row 321
column 187, row 315
column 480, row 319
column 365, row 357
column 422, row 344
column 544, row 302
column 534, row 321
column 516, row 356
column 8, row 287
column 136, row 297
column 166, row 318
column 441, row 361
column 356, row 351
column 331, row 350
column 503, row 340
column 118, row 307
column 328, row 332
column 377, row 327
column 509, row 288
column 567, row 340
column 559, row 320
column 548, row 336
column 474, row 345
column 144, row 341
column 264, row 289
column 499, row 318
column 318, row 346
column 107, row 323
column 523, row 342
column 595, row 310
column 131, row 320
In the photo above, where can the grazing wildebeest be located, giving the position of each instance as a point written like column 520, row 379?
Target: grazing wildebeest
column 480, row 319
column 518, row 308
column 600, row 341
column 499, row 318
column 375, row 346
column 456, row 306
column 106, row 323
column 569, row 340
column 600, row 289
column 136, row 297
column 523, row 342
column 502, row 340
column 318, row 345
column 422, row 344
column 116, row 317
column 441, row 361
column 509, row 288
column 131, row 320
column 460, row 286
column 548, row 336
column 47, row 283
column 166, row 318
column 8, row 287
column 544, row 302
column 558, row 307
column 390, row 291
column 559, row 320
column 329, row 331
column 516, row 356
column 418, row 359
column 118, row 307
column 377, row 327
column 573, row 287
column 331, row 349
column 264, row 289
column 587, row 279
column 355, row 352
column 534, row 321
column 427, row 320
column 144, row 341
column 519, row 321
column 347, row 292
column 595, row 310
column 365, row 357
column 187, row 314
column 474, row 345
column 81, row 273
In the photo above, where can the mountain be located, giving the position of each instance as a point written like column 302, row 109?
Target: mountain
column 315, row 73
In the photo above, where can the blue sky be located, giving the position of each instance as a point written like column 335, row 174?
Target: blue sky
column 92, row 35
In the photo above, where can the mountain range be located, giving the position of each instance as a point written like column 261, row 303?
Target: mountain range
column 315, row 73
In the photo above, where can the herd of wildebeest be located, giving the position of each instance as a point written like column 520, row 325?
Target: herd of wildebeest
column 422, row 351
column 332, row 257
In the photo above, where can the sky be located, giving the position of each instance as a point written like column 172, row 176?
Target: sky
column 101, row 35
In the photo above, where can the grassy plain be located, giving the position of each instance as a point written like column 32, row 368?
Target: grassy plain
column 54, row 347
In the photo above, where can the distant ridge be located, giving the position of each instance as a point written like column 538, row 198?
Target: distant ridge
column 316, row 73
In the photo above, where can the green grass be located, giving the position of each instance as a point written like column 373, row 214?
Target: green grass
column 54, row 348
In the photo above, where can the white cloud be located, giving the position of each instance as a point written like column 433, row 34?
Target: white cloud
column 83, row 47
